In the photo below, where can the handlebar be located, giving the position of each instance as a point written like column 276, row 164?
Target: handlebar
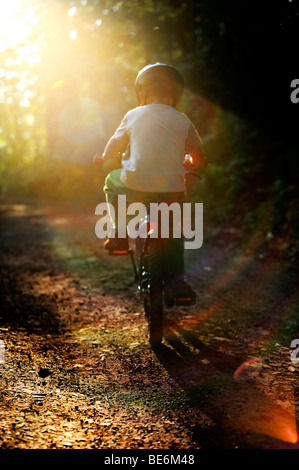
column 115, row 162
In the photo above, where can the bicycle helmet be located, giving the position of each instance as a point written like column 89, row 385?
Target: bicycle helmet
column 160, row 79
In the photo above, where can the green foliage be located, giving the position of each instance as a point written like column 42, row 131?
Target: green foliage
column 67, row 83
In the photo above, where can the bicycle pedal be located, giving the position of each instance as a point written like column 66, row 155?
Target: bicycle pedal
column 185, row 301
column 118, row 252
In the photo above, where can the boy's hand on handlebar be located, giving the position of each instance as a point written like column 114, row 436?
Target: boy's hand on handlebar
column 188, row 163
column 107, row 164
column 98, row 160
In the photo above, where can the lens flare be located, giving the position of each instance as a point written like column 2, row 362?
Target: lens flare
column 57, row 84
column 246, row 364
column 260, row 414
column 274, row 421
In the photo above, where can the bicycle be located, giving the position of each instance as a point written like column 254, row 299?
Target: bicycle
column 152, row 274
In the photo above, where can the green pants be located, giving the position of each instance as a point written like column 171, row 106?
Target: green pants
column 175, row 247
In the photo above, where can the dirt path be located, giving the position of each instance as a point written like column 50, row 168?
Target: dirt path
column 78, row 371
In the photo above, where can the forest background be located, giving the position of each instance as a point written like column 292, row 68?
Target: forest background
column 67, row 76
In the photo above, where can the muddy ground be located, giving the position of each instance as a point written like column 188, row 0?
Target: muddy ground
column 78, row 372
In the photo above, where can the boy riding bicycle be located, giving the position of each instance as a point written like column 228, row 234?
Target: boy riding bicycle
column 157, row 137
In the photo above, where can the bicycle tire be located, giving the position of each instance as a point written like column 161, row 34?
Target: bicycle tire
column 153, row 263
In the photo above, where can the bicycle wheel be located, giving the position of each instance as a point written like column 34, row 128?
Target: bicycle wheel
column 153, row 289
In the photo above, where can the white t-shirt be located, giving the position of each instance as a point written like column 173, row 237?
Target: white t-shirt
column 157, row 136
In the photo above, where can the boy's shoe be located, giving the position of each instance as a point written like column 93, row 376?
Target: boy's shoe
column 179, row 292
column 117, row 246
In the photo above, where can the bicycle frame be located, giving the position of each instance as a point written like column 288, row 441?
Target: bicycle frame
column 152, row 273
column 146, row 229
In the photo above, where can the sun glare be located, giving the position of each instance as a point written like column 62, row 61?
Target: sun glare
column 16, row 23
column 17, row 20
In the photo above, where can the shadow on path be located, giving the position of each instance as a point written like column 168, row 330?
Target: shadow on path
column 239, row 412
column 24, row 260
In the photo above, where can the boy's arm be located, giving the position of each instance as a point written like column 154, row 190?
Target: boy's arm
column 114, row 146
column 194, row 148
column 116, row 143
